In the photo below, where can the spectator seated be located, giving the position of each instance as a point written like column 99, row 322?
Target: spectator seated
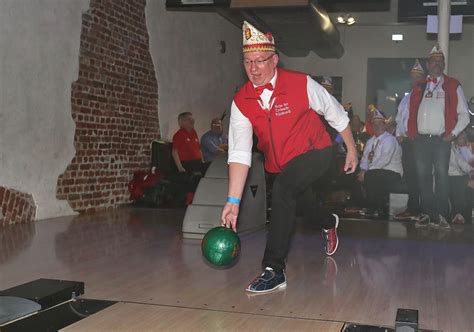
column 172, row 188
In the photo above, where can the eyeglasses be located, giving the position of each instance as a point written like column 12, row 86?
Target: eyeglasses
column 258, row 63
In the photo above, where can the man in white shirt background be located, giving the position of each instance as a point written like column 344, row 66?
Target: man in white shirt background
column 412, row 211
column 459, row 171
column 380, row 167
column 438, row 112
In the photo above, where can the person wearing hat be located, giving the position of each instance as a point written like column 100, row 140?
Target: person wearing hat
column 438, row 112
column 326, row 83
column 380, row 167
column 460, row 167
column 282, row 108
column 412, row 211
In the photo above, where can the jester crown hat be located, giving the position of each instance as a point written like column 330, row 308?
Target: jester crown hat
column 255, row 41
column 417, row 68
column 436, row 51
column 327, row 81
column 377, row 114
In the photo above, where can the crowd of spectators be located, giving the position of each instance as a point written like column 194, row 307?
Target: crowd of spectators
column 424, row 152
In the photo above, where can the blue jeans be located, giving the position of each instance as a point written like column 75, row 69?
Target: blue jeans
column 409, row 174
column 432, row 153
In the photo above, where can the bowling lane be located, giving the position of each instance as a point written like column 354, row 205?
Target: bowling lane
column 139, row 256
column 141, row 317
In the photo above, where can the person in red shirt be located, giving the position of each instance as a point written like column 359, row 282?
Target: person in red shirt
column 186, row 150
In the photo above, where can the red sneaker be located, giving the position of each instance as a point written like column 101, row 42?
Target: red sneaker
column 189, row 198
column 330, row 240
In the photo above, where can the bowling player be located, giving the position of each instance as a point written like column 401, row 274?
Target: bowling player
column 282, row 108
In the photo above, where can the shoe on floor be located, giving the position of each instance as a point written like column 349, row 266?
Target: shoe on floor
column 353, row 209
column 330, row 239
column 369, row 213
column 458, row 219
column 443, row 223
column 268, row 281
column 423, row 221
column 406, row 215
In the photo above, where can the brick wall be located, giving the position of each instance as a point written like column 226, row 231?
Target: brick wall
column 16, row 207
column 114, row 105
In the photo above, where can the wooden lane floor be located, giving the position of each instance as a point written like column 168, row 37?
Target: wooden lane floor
column 138, row 257
column 145, row 317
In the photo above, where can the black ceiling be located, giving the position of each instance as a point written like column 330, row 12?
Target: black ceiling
column 355, row 6
column 299, row 29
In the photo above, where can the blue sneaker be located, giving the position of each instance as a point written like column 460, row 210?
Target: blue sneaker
column 268, row 281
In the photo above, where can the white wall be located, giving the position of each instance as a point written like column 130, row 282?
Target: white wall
column 39, row 45
column 362, row 42
column 192, row 74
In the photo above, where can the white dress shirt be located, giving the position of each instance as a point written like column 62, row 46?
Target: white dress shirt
column 387, row 154
column 459, row 160
column 402, row 116
column 431, row 112
column 240, row 128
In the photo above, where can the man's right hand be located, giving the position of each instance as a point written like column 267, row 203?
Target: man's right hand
column 230, row 212
column 351, row 161
column 181, row 169
column 223, row 147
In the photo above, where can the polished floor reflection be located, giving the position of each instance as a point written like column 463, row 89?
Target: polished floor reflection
column 138, row 257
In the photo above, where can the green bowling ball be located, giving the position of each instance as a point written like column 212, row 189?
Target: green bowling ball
column 220, row 246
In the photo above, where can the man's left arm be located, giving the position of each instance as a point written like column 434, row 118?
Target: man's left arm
column 326, row 105
column 463, row 113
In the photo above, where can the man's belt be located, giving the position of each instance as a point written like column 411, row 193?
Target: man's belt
column 431, row 136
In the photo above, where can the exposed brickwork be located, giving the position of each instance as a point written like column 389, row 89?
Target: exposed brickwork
column 16, row 207
column 114, row 105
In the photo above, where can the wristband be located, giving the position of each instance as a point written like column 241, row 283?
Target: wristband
column 233, row 200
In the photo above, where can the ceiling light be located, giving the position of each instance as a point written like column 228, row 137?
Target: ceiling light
column 346, row 19
column 397, row 37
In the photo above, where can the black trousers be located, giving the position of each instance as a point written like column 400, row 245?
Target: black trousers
column 298, row 175
column 358, row 198
column 461, row 197
column 409, row 174
column 196, row 166
column 378, row 185
column 433, row 152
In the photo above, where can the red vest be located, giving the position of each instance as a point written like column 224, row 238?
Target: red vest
column 291, row 127
column 450, row 86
